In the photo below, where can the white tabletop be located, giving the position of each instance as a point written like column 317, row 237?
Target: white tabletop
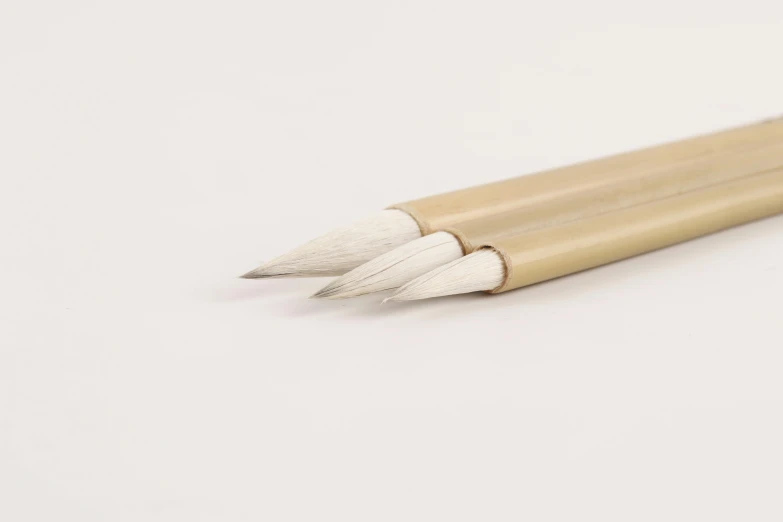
column 151, row 152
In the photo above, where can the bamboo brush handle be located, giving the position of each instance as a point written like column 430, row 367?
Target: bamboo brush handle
column 691, row 175
column 566, row 249
column 437, row 212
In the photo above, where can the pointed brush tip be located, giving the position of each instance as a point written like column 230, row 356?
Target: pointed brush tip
column 399, row 294
column 255, row 274
column 323, row 293
column 265, row 272
column 330, row 296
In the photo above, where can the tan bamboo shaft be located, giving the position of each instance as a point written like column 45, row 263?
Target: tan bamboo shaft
column 691, row 175
column 557, row 251
column 443, row 210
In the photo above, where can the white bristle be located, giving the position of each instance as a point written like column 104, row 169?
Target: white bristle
column 395, row 268
column 480, row 271
column 344, row 249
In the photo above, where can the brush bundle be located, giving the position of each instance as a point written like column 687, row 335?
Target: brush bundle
column 516, row 232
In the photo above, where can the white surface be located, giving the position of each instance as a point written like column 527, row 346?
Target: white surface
column 151, row 152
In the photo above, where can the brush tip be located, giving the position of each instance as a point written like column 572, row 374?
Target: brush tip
column 395, row 268
column 262, row 272
column 324, row 293
column 327, row 296
column 333, row 291
column 403, row 293
column 344, row 249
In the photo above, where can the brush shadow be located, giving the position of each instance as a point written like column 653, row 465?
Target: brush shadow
column 307, row 307
column 236, row 290
column 375, row 309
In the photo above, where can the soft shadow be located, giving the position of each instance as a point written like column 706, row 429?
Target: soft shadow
column 303, row 306
column 371, row 307
column 235, row 290
column 375, row 309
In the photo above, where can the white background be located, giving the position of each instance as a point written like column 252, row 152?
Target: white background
column 152, row 151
